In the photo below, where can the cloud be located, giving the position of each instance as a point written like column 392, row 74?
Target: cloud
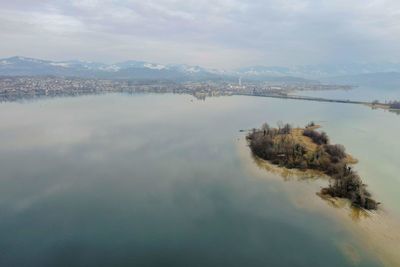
column 218, row 33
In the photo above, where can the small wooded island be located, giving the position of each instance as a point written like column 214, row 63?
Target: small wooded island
column 306, row 149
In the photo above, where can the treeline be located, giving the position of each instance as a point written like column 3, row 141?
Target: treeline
column 283, row 146
column 317, row 137
column 394, row 104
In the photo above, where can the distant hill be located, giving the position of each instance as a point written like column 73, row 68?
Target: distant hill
column 23, row 66
column 321, row 71
column 387, row 75
column 379, row 79
column 356, row 74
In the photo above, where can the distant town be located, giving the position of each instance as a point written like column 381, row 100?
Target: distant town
column 15, row 88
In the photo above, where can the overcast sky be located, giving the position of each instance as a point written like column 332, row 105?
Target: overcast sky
column 210, row 33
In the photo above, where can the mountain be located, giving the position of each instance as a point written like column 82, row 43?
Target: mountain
column 384, row 74
column 356, row 74
column 23, row 66
column 32, row 66
column 378, row 79
column 18, row 66
column 270, row 74
column 321, row 71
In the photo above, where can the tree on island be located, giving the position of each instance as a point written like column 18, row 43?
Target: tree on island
column 310, row 149
column 394, row 104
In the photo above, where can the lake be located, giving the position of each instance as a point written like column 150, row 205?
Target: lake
column 359, row 93
column 167, row 180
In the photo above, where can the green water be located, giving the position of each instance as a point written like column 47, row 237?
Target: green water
column 165, row 180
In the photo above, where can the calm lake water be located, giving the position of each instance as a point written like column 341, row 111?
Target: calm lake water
column 360, row 93
column 167, row 180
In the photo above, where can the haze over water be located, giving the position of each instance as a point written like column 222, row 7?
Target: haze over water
column 150, row 180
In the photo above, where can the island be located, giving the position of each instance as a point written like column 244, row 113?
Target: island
column 310, row 149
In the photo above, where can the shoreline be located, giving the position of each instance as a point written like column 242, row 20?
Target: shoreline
column 310, row 151
column 331, row 100
column 376, row 232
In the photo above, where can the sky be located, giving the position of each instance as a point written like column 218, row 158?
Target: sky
column 211, row 33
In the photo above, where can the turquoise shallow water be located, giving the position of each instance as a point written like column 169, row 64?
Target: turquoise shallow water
column 165, row 180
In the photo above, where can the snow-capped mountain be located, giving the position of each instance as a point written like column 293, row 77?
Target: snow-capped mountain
column 31, row 66
column 125, row 70
column 320, row 71
column 148, row 70
column 387, row 74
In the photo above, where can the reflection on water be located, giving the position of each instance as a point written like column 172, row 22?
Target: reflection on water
column 150, row 180
column 289, row 174
column 395, row 111
column 380, row 230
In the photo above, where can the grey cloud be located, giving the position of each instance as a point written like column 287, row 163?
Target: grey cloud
column 218, row 33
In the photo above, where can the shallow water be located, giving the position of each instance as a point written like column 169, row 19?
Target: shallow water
column 150, row 180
